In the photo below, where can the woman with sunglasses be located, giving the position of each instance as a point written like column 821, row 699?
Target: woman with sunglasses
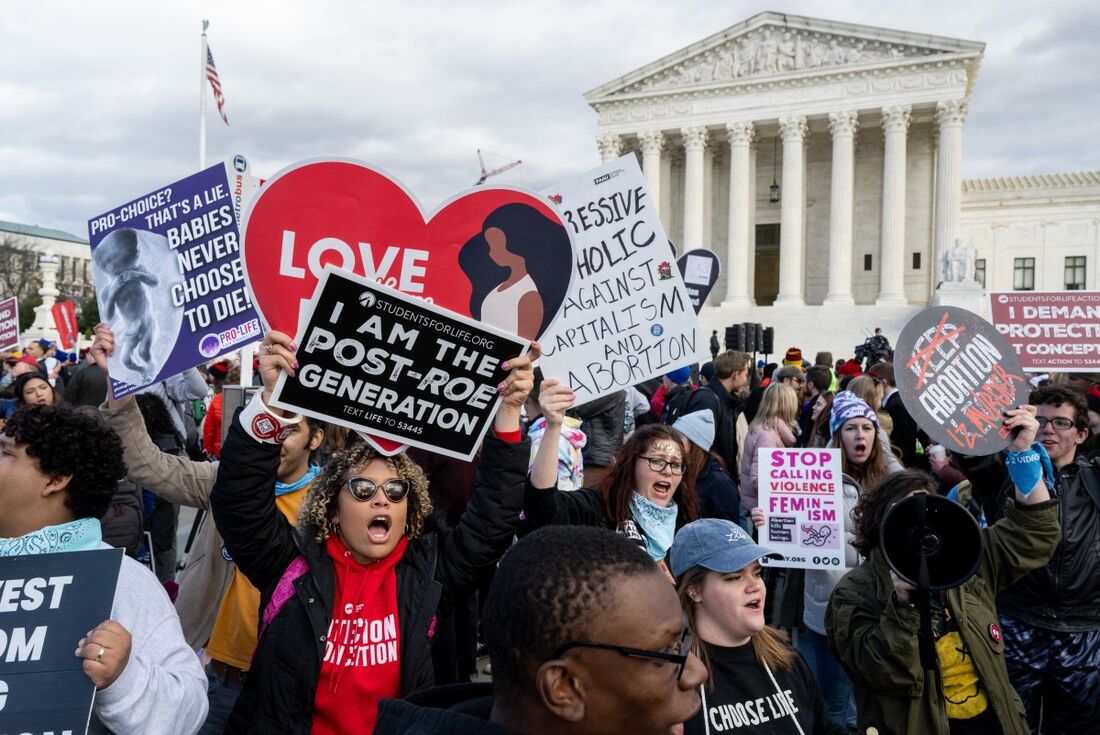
column 646, row 496
column 755, row 681
column 351, row 595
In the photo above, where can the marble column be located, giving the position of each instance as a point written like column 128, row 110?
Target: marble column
column 895, row 128
column 792, row 210
column 695, row 140
column 843, row 126
column 754, row 149
column 665, row 201
column 739, row 248
column 611, row 147
column 950, row 116
column 652, row 141
column 711, row 158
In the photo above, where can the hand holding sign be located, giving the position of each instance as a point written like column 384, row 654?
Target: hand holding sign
column 106, row 651
column 1024, row 426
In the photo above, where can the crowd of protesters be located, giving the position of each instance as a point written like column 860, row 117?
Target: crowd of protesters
column 604, row 558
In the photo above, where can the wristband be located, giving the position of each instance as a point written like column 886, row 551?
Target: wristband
column 1027, row 467
column 264, row 426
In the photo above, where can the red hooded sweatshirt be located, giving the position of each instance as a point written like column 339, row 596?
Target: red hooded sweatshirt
column 362, row 650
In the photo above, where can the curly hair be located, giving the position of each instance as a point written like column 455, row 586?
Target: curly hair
column 320, row 504
column 1058, row 396
column 65, row 441
column 546, row 592
column 878, row 499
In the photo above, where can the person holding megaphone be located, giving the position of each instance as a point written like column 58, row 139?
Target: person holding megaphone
column 874, row 624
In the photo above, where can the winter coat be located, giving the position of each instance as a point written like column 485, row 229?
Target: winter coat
column 760, row 436
column 457, row 709
column 437, row 567
column 603, row 425
column 1064, row 595
column 727, row 408
column 717, row 493
column 875, row 637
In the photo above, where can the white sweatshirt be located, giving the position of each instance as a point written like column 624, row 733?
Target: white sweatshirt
column 163, row 687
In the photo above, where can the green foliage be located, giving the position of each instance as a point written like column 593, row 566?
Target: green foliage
column 89, row 316
column 26, row 312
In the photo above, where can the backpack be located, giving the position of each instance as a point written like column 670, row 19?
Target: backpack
column 677, row 403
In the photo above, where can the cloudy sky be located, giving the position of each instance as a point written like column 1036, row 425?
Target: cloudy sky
column 99, row 100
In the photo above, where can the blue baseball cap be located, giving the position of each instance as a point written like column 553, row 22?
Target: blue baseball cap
column 715, row 544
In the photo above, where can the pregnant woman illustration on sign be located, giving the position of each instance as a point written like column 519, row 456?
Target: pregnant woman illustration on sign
column 519, row 267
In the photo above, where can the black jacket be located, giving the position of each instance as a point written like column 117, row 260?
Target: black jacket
column 726, row 407
column 904, row 434
column 458, row 709
column 1064, row 595
column 438, row 567
column 718, row 497
column 603, row 424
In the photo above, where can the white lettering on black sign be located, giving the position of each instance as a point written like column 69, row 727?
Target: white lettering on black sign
column 379, row 361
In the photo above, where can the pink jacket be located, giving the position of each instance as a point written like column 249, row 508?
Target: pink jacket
column 759, row 436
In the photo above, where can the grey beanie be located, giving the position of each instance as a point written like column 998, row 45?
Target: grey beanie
column 698, row 427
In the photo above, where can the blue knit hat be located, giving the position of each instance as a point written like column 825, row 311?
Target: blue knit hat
column 847, row 406
column 680, row 375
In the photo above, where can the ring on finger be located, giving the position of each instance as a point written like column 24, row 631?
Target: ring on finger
column 99, row 656
column 269, row 349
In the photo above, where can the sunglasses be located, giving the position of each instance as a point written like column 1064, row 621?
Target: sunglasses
column 364, row 488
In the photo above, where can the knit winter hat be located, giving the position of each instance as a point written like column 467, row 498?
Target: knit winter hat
column 698, row 427
column 847, row 406
column 707, row 371
column 851, row 367
column 680, row 375
column 793, row 357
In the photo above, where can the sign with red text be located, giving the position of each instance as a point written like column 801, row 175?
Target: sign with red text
column 956, row 376
column 396, row 367
column 499, row 255
column 9, row 323
column 628, row 316
column 802, row 494
column 169, row 277
column 1052, row 330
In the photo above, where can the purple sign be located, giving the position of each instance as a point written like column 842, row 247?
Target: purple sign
column 169, row 278
column 9, row 323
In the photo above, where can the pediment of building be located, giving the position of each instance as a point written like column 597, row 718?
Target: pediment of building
column 770, row 47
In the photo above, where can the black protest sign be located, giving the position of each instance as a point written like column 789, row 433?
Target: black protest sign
column 956, row 376
column 378, row 361
column 48, row 602
column 700, row 269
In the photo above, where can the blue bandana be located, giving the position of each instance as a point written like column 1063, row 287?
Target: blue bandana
column 282, row 488
column 658, row 524
column 80, row 535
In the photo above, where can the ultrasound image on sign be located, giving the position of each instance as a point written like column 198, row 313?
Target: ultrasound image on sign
column 956, row 376
column 378, row 361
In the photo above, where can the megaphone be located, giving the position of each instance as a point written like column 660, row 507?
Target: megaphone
column 936, row 531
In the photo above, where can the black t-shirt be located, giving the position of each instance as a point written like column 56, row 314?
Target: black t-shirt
column 745, row 700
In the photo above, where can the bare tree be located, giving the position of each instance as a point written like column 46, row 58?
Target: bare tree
column 18, row 266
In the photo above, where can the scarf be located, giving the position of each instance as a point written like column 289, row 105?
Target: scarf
column 282, row 488
column 83, row 534
column 658, row 524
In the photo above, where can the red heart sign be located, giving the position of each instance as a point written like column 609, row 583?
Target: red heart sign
column 498, row 254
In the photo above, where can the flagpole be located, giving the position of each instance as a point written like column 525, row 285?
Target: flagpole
column 202, row 99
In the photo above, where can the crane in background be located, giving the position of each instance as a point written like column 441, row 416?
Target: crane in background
column 486, row 173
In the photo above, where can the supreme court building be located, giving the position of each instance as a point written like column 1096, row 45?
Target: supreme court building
column 822, row 162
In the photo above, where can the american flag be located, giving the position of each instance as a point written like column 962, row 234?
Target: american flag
column 212, row 75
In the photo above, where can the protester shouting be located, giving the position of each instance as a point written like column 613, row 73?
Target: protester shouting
column 585, row 637
column 218, row 607
column 873, row 623
column 59, row 468
column 351, row 595
column 756, row 682
column 645, row 495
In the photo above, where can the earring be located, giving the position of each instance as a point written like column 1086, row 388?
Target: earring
column 406, row 529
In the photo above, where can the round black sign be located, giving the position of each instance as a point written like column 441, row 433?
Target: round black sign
column 956, row 376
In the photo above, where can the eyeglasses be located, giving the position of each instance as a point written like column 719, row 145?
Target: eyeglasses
column 364, row 488
column 658, row 465
column 1058, row 422
column 679, row 659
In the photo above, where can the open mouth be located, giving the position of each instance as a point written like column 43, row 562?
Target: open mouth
column 662, row 488
column 860, row 448
column 755, row 604
column 378, row 530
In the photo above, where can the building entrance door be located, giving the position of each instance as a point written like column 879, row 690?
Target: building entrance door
column 766, row 281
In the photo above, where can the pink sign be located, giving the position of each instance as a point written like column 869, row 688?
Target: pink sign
column 1050, row 331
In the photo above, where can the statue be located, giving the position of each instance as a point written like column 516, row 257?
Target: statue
column 959, row 262
column 786, row 51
